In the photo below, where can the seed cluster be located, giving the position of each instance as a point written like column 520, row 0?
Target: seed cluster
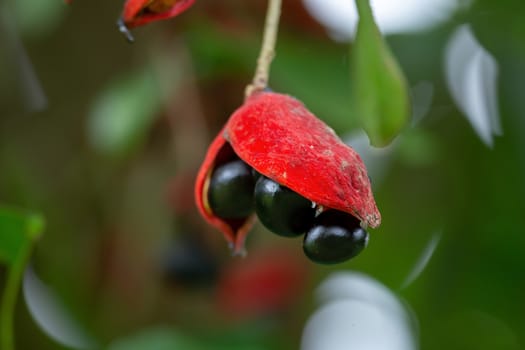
column 236, row 190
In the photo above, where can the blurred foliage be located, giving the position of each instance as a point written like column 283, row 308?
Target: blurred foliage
column 123, row 113
column 165, row 339
column 19, row 230
column 110, row 163
column 36, row 19
column 379, row 90
column 18, row 233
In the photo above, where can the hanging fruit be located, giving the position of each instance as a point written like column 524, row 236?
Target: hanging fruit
column 305, row 170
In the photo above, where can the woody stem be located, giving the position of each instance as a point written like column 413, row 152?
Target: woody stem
column 260, row 79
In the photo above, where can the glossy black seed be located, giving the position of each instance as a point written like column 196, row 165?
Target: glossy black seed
column 230, row 194
column 256, row 175
column 334, row 237
column 281, row 210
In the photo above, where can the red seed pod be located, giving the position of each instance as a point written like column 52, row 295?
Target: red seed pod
column 235, row 231
column 140, row 12
column 277, row 136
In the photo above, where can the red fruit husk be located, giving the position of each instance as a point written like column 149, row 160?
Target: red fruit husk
column 277, row 136
column 281, row 139
column 235, row 231
column 140, row 12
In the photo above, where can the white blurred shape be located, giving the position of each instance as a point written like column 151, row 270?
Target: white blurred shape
column 471, row 74
column 358, row 313
column 340, row 16
column 358, row 286
column 350, row 324
column 51, row 315
column 423, row 260
column 34, row 96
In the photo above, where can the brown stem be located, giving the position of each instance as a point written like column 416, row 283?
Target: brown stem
column 260, row 79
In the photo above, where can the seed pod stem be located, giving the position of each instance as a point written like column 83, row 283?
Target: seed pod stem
column 262, row 72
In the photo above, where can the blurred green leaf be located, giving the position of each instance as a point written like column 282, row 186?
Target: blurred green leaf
column 158, row 339
column 418, row 147
column 379, row 89
column 215, row 53
column 18, row 231
column 37, row 18
column 123, row 112
column 299, row 69
column 169, row 339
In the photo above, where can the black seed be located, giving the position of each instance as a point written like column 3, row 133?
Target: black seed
column 281, row 210
column 334, row 238
column 256, row 175
column 230, row 194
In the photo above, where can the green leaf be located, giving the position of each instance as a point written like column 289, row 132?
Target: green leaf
column 123, row 112
column 165, row 338
column 37, row 18
column 18, row 232
column 379, row 89
column 159, row 339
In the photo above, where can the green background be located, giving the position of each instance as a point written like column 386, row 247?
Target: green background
column 122, row 123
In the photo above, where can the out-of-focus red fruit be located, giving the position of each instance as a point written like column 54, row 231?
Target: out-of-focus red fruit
column 266, row 282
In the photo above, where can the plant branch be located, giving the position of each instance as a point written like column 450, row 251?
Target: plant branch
column 8, row 302
column 262, row 72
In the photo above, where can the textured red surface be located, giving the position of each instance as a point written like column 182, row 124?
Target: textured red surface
column 280, row 138
column 277, row 136
column 134, row 15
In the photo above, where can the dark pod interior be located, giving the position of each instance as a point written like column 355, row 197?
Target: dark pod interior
column 236, row 190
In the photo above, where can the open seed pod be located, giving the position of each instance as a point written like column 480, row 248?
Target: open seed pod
column 278, row 137
column 140, row 12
